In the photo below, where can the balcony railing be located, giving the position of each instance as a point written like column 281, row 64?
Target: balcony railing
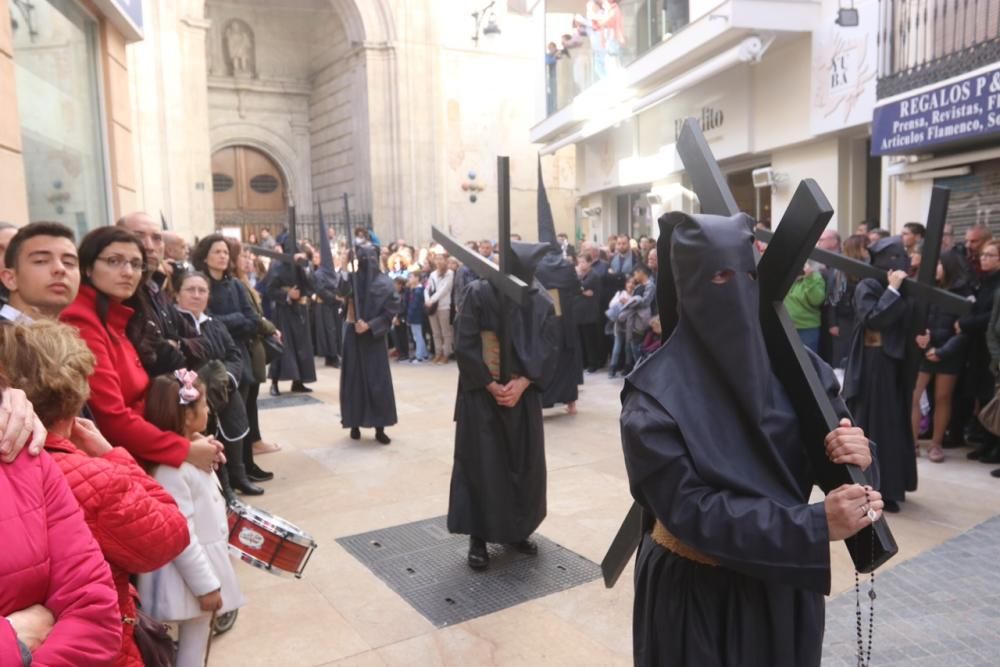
column 926, row 41
column 591, row 41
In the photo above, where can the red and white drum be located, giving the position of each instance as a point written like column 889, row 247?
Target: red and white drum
column 267, row 541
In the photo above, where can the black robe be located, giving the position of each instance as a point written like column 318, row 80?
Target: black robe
column 874, row 385
column 558, row 275
column 296, row 363
column 329, row 326
column 366, row 396
column 736, row 492
column 498, row 478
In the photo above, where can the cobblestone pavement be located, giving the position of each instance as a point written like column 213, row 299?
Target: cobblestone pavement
column 941, row 607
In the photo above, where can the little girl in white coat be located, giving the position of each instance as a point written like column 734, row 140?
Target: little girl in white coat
column 201, row 580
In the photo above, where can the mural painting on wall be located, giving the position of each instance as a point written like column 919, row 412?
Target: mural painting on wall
column 238, row 43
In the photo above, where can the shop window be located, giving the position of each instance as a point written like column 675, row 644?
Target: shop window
column 59, row 106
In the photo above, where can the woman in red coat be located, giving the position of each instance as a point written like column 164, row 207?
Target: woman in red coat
column 51, row 569
column 135, row 521
column 109, row 313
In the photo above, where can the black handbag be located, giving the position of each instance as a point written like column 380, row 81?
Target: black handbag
column 155, row 644
column 273, row 348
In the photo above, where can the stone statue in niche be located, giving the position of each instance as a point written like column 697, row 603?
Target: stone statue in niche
column 238, row 42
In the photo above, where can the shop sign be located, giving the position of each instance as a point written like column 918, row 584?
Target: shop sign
column 844, row 69
column 965, row 107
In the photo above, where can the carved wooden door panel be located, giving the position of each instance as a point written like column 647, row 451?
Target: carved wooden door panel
column 247, row 185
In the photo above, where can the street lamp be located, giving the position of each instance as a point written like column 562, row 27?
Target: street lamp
column 491, row 22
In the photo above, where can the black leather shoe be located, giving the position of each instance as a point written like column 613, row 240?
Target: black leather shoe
column 300, row 388
column 527, row 547
column 891, row 506
column 479, row 558
column 382, row 437
column 992, row 456
column 246, row 487
column 355, row 433
column 995, row 473
column 978, row 453
column 274, row 389
column 256, row 474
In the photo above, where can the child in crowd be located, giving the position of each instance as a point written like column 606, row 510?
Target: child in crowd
column 400, row 332
column 651, row 343
column 415, row 317
column 201, row 580
column 621, row 354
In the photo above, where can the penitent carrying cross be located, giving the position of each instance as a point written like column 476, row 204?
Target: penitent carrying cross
column 807, row 215
column 509, row 287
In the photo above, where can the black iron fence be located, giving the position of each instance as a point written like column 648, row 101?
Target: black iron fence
column 306, row 226
column 925, row 41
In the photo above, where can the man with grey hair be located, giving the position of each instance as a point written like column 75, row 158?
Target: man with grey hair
column 975, row 238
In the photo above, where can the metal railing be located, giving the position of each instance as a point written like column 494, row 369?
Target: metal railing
column 306, row 226
column 926, row 41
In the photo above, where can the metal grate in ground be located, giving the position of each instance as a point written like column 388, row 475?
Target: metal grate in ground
column 426, row 566
column 286, row 401
column 935, row 609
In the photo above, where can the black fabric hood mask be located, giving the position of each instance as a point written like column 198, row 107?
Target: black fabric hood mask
column 889, row 254
column 525, row 258
column 373, row 287
column 709, row 293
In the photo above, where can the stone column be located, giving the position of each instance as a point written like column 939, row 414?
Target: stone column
column 14, row 202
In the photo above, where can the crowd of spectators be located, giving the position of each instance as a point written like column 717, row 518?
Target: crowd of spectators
column 143, row 358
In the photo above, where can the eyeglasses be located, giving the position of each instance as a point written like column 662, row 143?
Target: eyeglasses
column 118, row 263
column 990, row 254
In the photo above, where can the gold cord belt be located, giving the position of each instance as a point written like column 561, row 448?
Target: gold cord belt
column 873, row 338
column 665, row 539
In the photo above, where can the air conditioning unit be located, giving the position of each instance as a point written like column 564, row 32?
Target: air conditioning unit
column 766, row 177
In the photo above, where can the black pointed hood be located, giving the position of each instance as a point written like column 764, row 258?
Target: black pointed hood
column 708, row 287
column 525, row 258
column 889, row 254
column 546, row 224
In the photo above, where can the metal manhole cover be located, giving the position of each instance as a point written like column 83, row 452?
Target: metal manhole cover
column 286, row 401
column 426, row 566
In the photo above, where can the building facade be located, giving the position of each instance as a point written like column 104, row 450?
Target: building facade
column 781, row 91
column 227, row 112
column 65, row 111
column 937, row 119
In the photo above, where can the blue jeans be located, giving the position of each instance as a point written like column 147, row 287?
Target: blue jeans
column 810, row 338
column 418, row 338
column 621, row 349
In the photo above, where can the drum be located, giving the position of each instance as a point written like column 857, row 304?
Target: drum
column 267, row 541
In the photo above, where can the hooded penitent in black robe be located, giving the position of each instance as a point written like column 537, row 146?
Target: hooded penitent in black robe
column 713, row 451
column 296, row 362
column 498, row 478
column 874, row 383
column 366, row 396
column 329, row 326
column 559, row 277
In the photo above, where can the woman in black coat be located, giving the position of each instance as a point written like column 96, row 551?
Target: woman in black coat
column 228, row 304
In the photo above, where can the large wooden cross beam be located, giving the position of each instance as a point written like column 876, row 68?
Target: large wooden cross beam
column 800, row 228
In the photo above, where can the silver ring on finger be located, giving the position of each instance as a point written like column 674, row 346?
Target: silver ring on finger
column 865, row 509
column 872, row 515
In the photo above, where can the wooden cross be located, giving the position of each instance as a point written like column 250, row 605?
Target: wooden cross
column 509, row 287
column 800, row 228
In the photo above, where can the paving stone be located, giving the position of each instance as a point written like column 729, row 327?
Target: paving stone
column 923, row 614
